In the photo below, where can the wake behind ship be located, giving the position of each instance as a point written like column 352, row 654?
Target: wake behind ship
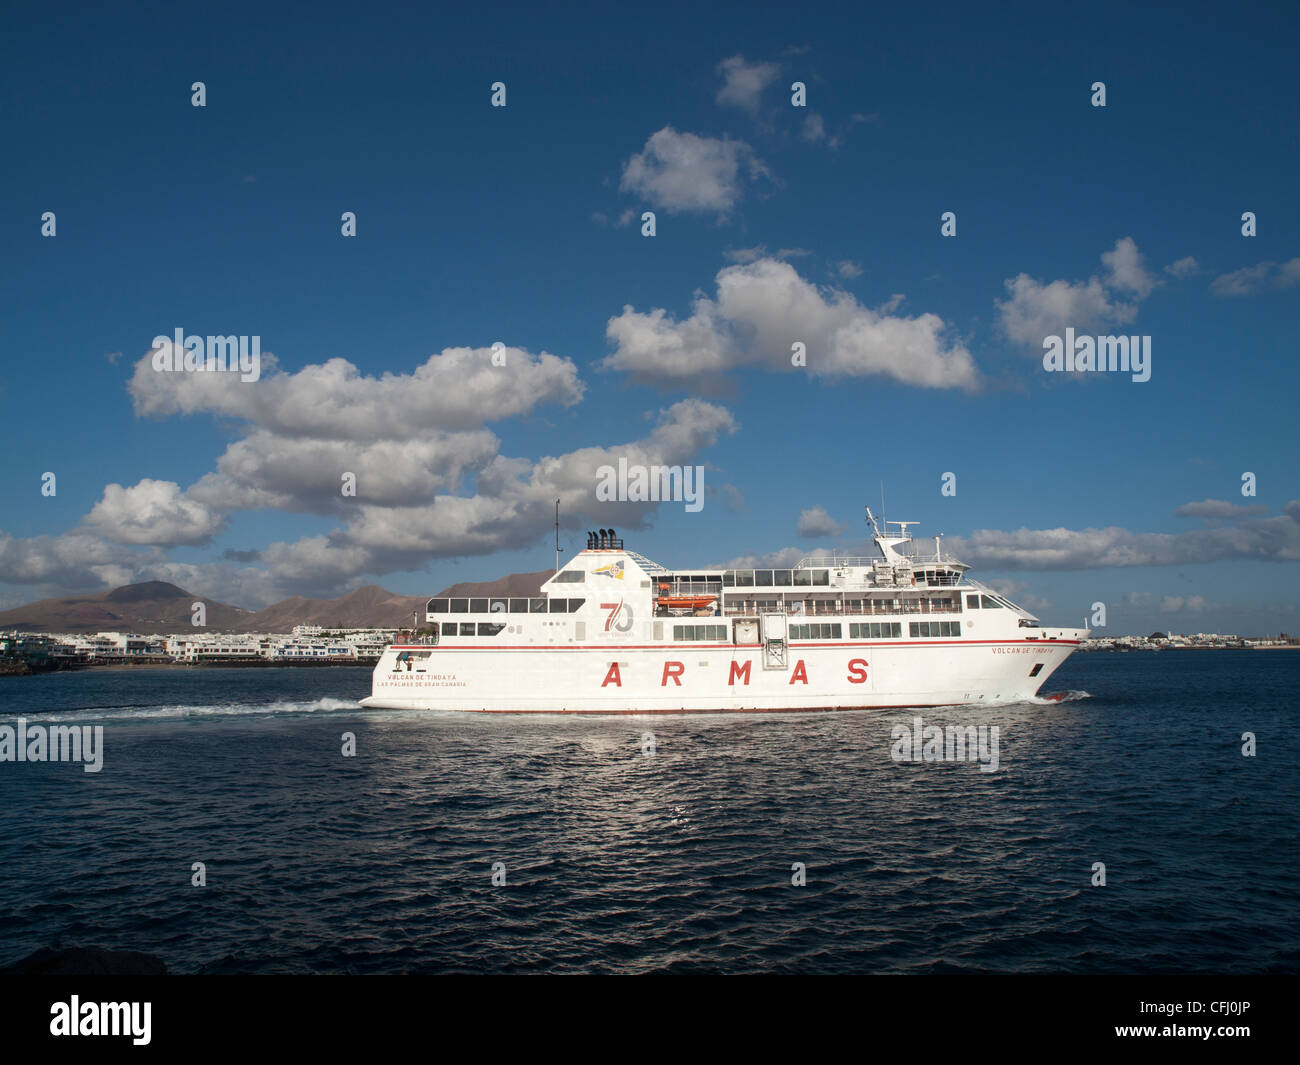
column 613, row 632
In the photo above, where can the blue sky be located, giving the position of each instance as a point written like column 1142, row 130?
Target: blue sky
column 774, row 224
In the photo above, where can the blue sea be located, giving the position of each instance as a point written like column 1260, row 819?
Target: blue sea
column 680, row 860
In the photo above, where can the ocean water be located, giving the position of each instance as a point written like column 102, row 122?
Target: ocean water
column 681, row 860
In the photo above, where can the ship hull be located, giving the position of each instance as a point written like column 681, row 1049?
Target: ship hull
column 715, row 678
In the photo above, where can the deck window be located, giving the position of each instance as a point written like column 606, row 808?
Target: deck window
column 972, row 602
column 459, row 606
column 931, row 629
column 438, row 606
column 537, row 605
column 815, row 632
column 519, row 606
column 489, row 628
column 707, row 633
column 876, row 630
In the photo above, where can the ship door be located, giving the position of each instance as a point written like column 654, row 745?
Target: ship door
column 774, row 640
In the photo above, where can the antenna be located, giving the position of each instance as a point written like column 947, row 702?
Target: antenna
column 884, row 514
column 557, row 536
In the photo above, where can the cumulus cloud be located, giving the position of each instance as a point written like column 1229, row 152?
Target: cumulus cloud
column 1182, row 268
column 759, row 251
column 1271, row 539
column 814, row 128
column 265, row 469
column 785, row 558
column 1177, row 604
column 761, row 309
column 511, row 506
column 1018, row 592
column 815, row 522
column 1258, row 278
column 74, row 560
column 153, row 512
column 430, row 480
column 684, row 172
column 743, row 83
column 1034, row 310
column 516, row 497
column 848, row 269
column 456, row 389
column 1220, row 510
column 1274, row 539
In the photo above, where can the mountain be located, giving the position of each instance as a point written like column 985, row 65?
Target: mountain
column 517, row 584
column 158, row 607
column 149, row 607
column 371, row 607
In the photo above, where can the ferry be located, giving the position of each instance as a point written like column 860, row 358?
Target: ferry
column 614, row 633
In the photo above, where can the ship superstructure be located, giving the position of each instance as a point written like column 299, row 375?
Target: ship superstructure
column 614, row 632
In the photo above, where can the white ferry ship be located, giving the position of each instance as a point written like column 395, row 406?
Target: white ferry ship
column 615, row 633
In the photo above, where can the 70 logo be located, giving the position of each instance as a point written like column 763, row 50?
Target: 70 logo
column 619, row 617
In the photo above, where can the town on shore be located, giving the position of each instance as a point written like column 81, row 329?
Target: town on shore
column 1161, row 641
column 26, row 652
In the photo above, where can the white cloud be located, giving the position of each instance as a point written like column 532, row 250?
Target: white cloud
column 814, row 128
column 763, row 307
column 785, row 558
column 511, row 507
column 743, row 83
column 1261, row 538
column 1126, row 271
column 1258, row 278
column 1185, row 267
column 152, row 512
column 1220, row 510
column 848, row 269
column 1035, row 310
column 759, row 251
column 265, row 469
column 456, row 389
column 1177, row 604
column 815, row 522
column 683, row 172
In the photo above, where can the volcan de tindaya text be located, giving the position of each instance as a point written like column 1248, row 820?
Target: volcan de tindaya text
column 615, row 633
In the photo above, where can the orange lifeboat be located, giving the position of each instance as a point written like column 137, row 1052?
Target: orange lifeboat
column 686, row 602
